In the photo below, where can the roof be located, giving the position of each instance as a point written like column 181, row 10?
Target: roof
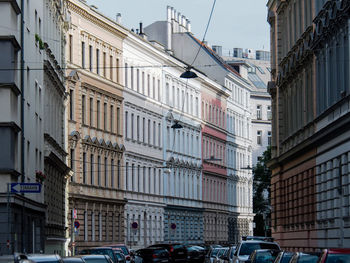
column 218, row 59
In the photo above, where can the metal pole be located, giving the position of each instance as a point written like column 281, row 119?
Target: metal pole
column 8, row 219
column 22, row 118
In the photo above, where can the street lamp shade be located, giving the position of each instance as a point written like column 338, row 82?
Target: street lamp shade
column 176, row 125
column 188, row 74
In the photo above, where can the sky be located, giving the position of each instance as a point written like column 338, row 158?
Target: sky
column 235, row 23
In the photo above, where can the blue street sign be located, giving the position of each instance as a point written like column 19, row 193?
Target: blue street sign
column 25, row 188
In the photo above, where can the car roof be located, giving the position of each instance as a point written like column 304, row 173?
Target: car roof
column 338, row 251
column 92, row 256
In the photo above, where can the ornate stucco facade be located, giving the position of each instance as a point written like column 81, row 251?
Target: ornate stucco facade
column 95, row 126
column 310, row 99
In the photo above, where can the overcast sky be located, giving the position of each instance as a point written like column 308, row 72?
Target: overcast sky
column 235, row 23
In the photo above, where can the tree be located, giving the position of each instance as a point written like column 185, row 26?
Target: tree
column 261, row 194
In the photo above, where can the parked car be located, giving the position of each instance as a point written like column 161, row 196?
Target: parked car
column 247, row 246
column 220, row 255
column 299, row 257
column 95, row 258
column 335, row 255
column 152, row 255
column 13, row 258
column 263, row 256
column 209, row 258
column 227, row 257
column 73, row 260
column 195, row 254
column 284, row 257
column 178, row 252
column 120, row 255
column 100, row 251
column 125, row 250
column 45, row 258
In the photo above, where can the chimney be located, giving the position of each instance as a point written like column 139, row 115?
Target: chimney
column 188, row 26
column 141, row 30
column 168, row 14
column 183, row 24
column 119, row 18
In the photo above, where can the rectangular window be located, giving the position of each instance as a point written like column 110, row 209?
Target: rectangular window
column 148, row 85
column 269, row 138
column 111, row 68
column 100, row 226
column 138, row 80
column 117, row 70
column 269, row 113
column 71, row 104
column 97, row 61
column 70, row 48
column 167, row 93
column 159, row 135
column 112, row 119
column 105, row 116
column 83, row 54
column 154, row 88
column 126, row 125
column 98, row 114
column 91, row 111
column 132, row 77
column 86, row 230
column 112, row 173
column 92, row 179
column 84, row 168
column 118, row 171
column 138, row 128
column 143, row 82
column 126, row 75
column 149, row 132
column 92, row 226
column 143, row 130
column 259, row 137
column 99, row 170
column 106, row 171
column 132, row 126
column 104, row 64
column 258, row 112
column 127, row 176
column 154, row 133
column 118, row 120
column 197, row 107
column 90, row 58
column 159, row 90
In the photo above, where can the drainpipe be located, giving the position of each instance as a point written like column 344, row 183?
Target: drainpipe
column 22, row 118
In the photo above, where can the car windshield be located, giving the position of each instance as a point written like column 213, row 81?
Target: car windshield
column 286, row 258
column 214, row 252
column 265, row 256
column 338, row 258
column 95, row 260
column 247, row 248
column 308, row 259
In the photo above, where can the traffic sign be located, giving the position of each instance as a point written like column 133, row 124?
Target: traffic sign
column 76, row 224
column 74, row 213
column 25, row 188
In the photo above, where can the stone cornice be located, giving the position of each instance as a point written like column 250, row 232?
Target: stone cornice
column 87, row 15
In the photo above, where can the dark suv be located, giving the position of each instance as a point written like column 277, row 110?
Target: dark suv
column 152, row 255
column 178, row 252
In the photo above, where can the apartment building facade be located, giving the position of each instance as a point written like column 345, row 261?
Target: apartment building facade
column 95, row 127
column 310, row 101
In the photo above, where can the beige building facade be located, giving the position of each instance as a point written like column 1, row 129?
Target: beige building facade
column 94, row 56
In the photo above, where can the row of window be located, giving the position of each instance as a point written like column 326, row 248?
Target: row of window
column 238, row 94
column 298, row 17
column 102, row 226
column 99, row 170
column 142, row 130
column 214, row 148
column 184, row 100
column 143, row 82
column 183, row 142
column 213, row 113
column 238, row 125
column 98, row 61
column 259, row 135
column 183, row 184
column 143, row 179
column 259, row 112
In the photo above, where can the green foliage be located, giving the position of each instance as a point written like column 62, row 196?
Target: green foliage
column 40, row 41
column 261, row 184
